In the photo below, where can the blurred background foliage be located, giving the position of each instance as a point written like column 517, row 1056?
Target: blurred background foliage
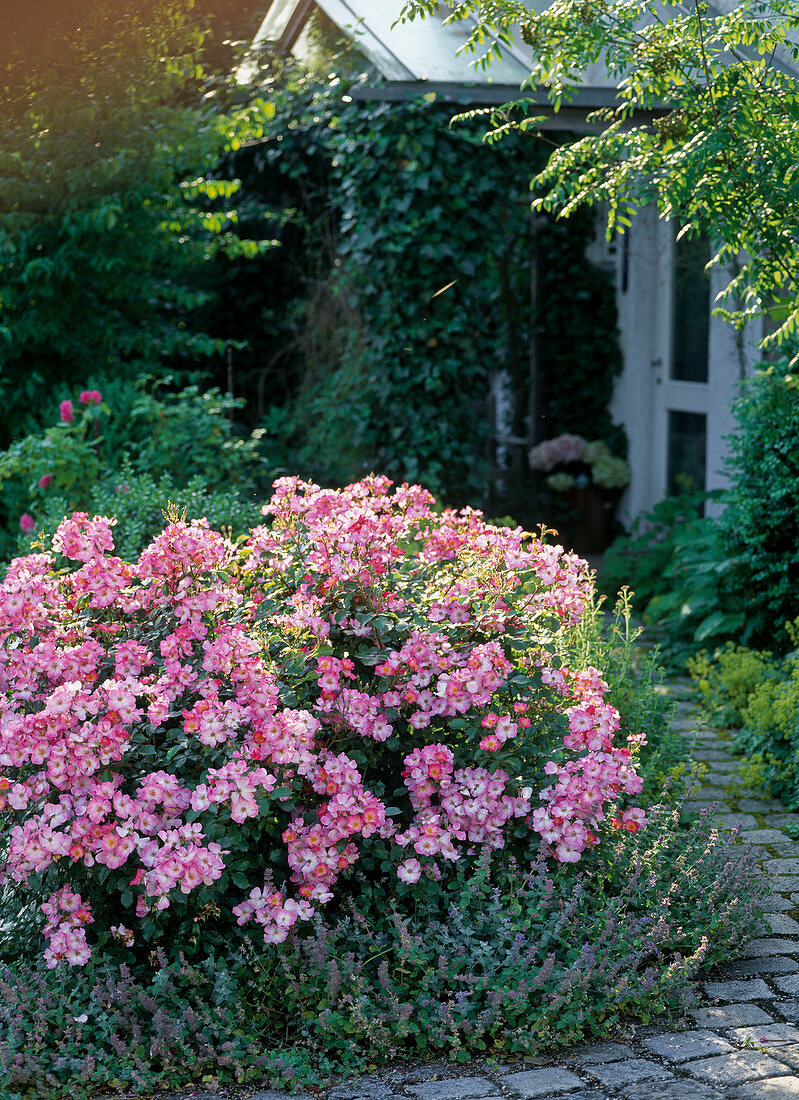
column 354, row 273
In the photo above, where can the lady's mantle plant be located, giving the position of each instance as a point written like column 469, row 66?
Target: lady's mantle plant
column 366, row 691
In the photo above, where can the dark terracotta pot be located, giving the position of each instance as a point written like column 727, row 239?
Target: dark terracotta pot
column 592, row 529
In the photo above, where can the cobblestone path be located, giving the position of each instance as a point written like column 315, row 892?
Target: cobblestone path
column 742, row 1044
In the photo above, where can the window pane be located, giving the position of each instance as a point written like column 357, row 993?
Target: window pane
column 690, row 310
column 686, row 454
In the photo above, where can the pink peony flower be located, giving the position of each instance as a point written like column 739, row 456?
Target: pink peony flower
column 45, row 481
column 66, row 412
column 90, row 397
column 27, row 523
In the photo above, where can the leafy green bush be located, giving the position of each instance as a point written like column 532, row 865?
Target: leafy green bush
column 683, row 577
column 707, row 581
column 727, row 679
column 761, row 521
column 191, row 434
column 758, row 692
column 638, row 559
column 129, row 462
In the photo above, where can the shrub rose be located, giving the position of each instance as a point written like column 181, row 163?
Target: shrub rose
column 366, row 687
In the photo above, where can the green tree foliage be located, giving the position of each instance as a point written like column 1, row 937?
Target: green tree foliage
column 706, row 122
column 108, row 212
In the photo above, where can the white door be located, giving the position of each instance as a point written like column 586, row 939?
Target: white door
column 680, row 372
column 682, row 366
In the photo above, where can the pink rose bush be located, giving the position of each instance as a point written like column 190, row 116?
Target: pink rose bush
column 366, row 688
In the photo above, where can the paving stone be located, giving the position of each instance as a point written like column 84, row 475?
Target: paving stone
column 759, row 805
column 425, row 1072
column 716, row 778
column 752, row 990
column 743, row 967
column 269, row 1094
column 789, row 1010
column 698, row 806
column 787, row 1054
column 671, row 1090
column 773, row 1088
column 734, row 1069
column 456, row 1088
column 786, row 849
column 788, row 985
column 785, row 884
column 716, row 755
column 540, row 1082
column 680, row 1046
column 355, row 1092
column 765, row 946
column 765, row 836
column 363, row 1088
column 765, row 1034
column 628, row 1072
column 731, row 1015
column 782, row 866
column 591, row 1094
column 776, row 904
column 731, row 821
column 599, row 1052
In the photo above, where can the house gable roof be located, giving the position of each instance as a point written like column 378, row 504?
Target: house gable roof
column 422, row 55
column 428, row 55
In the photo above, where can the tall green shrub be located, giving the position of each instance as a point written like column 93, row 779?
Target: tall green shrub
column 761, row 522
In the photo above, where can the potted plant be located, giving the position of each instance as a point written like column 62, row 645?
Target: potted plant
column 592, row 477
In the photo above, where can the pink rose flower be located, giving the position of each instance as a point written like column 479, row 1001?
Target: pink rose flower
column 27, row 523
column 67, row 414
column 45, row 481
column 90, row 397
column 410, row 870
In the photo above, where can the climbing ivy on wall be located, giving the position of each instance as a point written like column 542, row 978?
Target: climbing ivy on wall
column 406, row 264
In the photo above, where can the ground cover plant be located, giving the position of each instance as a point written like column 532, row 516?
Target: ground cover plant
column 306, row 779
